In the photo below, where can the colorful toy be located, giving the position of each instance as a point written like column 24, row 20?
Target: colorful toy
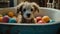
column 1, row 19
column 51, row 21
column 12, row 20
column 38, row 18
column 5, row 19
column 41, row 22
column 10, row 14
column 46, row 19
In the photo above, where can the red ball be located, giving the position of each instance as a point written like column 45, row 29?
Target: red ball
column 38, row 18
column 41, row 22
column 5, row 19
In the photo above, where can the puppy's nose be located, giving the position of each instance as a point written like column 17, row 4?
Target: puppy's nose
column 28, row 15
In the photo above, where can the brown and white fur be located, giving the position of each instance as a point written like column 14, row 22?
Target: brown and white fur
column 27, row 11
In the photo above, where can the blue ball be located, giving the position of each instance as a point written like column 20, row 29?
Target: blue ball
column 12, row 20
column 51, row 21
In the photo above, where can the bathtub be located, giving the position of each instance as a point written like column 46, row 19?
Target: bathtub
column 48, row 28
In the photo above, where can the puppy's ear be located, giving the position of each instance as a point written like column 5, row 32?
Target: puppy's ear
column 19, row 7
column 36, row 6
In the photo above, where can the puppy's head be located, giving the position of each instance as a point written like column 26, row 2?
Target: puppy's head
column 27, row 9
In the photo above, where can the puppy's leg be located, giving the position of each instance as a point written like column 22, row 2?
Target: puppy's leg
column 35, row 20
column 19, row 19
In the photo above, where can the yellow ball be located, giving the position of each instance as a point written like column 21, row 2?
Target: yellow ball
column 10, row 14
column 46, row 18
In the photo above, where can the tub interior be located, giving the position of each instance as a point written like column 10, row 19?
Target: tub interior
column 52, row 13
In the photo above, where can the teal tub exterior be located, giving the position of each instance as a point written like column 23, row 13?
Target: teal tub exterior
column 29, row 29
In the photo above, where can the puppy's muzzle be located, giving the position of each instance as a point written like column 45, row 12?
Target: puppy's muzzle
column 28, row 15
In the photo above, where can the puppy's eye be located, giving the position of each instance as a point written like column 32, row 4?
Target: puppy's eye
column 24, row 9
column 31, row 9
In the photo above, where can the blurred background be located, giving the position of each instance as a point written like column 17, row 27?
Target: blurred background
column 43, row 3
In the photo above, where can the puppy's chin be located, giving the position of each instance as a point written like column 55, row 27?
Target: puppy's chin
column 28, row 18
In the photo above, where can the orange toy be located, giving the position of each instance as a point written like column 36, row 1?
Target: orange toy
column 1, row 19
column 45, row 18
column 10, row 14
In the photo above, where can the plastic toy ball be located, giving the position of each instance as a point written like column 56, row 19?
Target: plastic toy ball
column 5, row 19
column 51, row 21
column 1, row 19
column 12, row 20
column 10, row 14
column 45, row 18
column 38, row 18
column 41, row 22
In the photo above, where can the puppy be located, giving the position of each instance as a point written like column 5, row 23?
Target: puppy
column 27, row 11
